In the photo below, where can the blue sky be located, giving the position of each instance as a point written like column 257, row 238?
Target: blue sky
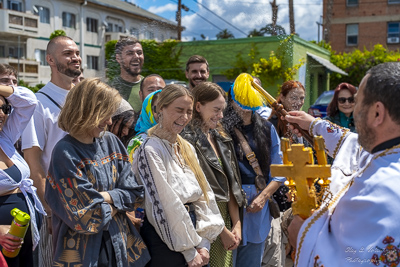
column 244, row 15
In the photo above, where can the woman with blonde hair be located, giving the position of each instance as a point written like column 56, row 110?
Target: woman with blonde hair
column 181, row 215
column 91, row 186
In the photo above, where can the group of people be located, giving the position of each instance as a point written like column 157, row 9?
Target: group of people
column 139, row 173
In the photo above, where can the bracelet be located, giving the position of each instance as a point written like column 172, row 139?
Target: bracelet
column 311, row 130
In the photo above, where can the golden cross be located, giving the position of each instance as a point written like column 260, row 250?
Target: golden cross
column 301, row 172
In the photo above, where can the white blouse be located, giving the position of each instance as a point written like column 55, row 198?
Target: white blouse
column 169, row 185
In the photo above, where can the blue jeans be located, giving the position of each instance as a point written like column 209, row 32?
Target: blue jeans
column 249, row 255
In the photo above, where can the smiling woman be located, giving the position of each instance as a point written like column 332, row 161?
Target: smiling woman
column 91, row 186
column 182, row 217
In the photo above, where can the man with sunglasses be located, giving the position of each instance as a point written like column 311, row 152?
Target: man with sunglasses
column 360, row 223
column 42, row 133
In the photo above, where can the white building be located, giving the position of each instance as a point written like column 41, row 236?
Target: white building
column 25, row 27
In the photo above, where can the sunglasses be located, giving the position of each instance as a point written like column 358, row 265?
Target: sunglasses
column 343, row 100
column 6, row 109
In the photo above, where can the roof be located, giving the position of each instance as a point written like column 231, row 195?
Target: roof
column 133, row 9
column 327, row 64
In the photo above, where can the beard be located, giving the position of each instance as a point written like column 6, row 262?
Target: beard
column 73, row 73
column 133, row 72
column 366, row 135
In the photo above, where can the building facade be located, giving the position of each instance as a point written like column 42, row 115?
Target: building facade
column 26, row 25
column 350, row 24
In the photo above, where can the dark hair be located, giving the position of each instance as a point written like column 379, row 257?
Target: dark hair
column 196, row 59
column 120, row 45
column 281, row 126
column 151, row 75
column 383, row 85
column 204, row 93
column 7, row 69
column 52, row 42
column 332, row 109
column 124, row 118
column 261, row 133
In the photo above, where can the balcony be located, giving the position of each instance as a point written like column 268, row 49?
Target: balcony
column 28, row 69
column 14, row 23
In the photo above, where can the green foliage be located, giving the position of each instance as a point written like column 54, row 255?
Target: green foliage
column 357, row 63
column 275, row 69
column 32, row 88
column 160, row 58
column 225, row 34
column 57, row 33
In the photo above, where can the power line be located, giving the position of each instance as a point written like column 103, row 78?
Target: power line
column 221, row 18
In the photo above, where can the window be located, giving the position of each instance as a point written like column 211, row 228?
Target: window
column 393, row 36
column 134, row 32
column 115, row 25
column 351, row 34
column 91, row 25
column 43, row 13
column 118, row 28
column 13, row 52
column 68, row 20
column 93, row 62
column 394, row 1
column 14, row 5
column 149, row 35
column 352, row 2
column 109, row 28
column 2, row 51
column 40, row 56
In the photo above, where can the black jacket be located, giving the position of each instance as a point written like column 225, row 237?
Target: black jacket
column 220, row 178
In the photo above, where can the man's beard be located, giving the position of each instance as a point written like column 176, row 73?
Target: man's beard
column 193, row 84
column 73, row 73
column 366, row 135
column 134, row 72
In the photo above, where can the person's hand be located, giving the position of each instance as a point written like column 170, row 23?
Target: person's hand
column 301, row 118
column 205, row 256
column 294, row 228
column 113, row 210
column 7, row 241
column 237, row 232
column 228, row 240
column 257, row 204
column 197, row 261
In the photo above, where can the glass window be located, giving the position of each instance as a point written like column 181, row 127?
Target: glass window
column 351, row 34
column 40, row 56
column 2, row 51
column 91, row 25
column 93, row 62
column 352, row 2
column 43, row 13
column 394, row 1
column 134, row 32
column 14, row 5
column 393, row 29
column 149, row 35
column 13, row 52
column 68, row 20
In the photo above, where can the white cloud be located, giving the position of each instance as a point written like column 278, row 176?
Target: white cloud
column 251, row 14
column 162, row 9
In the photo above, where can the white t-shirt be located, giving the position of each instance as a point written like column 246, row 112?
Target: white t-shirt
column 42, row 130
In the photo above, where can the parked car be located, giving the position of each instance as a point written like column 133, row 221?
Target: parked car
column 318, row 109
column 172, row 81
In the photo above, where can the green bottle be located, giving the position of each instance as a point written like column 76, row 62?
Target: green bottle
column 19, row 226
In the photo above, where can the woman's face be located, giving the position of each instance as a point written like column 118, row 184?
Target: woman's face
column 294, row 100
column 211, row 112
column 176, row 115
column 345, row 102
column 95, row 133
column 125, row 128
column 3, row 116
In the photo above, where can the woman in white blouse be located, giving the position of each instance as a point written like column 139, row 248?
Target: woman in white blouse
column 182, row 217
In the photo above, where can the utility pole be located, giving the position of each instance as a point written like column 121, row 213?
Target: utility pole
column 319, row 25
column 179, row 17
column 291, row 17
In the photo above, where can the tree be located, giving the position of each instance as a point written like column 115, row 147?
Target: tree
column 57, row 33
column 274, row 7
column 291, row 17
column 225, row 34
column 254, row 33
column 271, row 29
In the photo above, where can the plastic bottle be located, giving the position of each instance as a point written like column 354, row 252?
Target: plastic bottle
column 19, row 226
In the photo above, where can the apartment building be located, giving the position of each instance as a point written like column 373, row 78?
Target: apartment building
column 25, row 27
column 350, row 24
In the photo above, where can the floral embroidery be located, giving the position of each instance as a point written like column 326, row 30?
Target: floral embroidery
column 390, row 255
column 317, row 263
